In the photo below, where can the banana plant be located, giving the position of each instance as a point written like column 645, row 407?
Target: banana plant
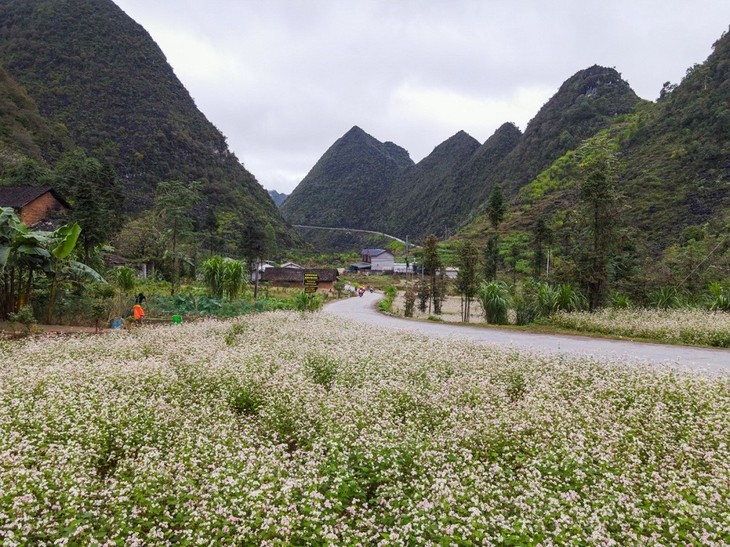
column 23, row 253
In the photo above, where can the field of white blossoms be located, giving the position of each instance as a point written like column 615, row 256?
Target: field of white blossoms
column 681, row 326
column 288, row 429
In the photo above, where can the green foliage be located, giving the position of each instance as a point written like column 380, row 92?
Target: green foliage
column 95, row 193
column 386, row 304
column 494, row 298
column 303, row 301
column 25, row 317
column 620, row 301
column 323, row 369
column 496, row 208
column 467, row 276
column 719, row 297
column 410, row 301
column 125, row 278
column 665, row 298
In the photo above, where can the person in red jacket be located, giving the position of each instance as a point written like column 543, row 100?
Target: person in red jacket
column 138, row 313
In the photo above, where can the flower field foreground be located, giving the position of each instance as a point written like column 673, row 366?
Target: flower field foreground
column 685, row 326
column 285, row 429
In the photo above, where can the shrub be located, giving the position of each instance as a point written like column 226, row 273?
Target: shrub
column 719, row 297
column 620, row 301
column 665, row 298
column 495, row 301
column 25, row 317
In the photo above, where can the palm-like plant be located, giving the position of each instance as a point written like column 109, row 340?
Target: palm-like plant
column 213, row 275
column 568, row 298
column 495, row 301
column 234, row 278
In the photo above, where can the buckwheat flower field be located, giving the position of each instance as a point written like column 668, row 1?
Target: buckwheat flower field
column 287, row 429
column 682, row 326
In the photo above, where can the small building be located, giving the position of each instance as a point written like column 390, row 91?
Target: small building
column 404, row 268
column 291, row 265
column 294, row 278
column 451, row 272
column 33, row 204
column 380, row 260
column 359, row 267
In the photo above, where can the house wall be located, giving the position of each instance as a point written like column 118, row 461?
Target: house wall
column 382, row 263
column 39, row 209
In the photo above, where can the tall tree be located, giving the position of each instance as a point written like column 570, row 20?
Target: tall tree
column 541, row 237
column 496, row 210
column 467, row 279
column 599, row 201
column 431, row 265
column 95, row 193
column 491, row 257
column 496, row 207
column 174, row 203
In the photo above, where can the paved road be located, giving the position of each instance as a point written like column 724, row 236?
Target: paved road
column 710, row 360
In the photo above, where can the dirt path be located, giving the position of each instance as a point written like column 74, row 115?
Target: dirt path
column 709, row 360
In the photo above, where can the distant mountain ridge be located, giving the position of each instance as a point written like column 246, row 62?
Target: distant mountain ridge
column 447, row 187
column 277, row 197
column 349, row 184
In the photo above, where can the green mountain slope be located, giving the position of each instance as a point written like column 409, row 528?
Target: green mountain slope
column 677, row 157
column 674, row 163
column 24, row 133
column 349, row 184
column 93, row 69
column 422, row 198
column 584, row 104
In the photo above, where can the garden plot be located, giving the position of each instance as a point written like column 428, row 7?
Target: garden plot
column 284, row 428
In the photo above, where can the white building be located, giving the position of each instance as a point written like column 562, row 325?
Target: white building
column 380, row 260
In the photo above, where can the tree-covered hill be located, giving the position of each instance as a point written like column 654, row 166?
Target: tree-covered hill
column 349, row 185
column 423, row 199
column 91, row 68
column 584, row 104
column 24, row 133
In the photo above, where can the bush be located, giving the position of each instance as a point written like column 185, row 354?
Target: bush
column 719, row 297
column 495, row 301
column 25, row 317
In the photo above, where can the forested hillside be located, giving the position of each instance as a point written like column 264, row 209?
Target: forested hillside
column 24, row 133
column 419, row 200
column 98, row 74
column 446, row 189
column 349, row 185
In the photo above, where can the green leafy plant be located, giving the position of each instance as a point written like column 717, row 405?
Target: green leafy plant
column 494, row 298
column 25, row 317
column 719, row 297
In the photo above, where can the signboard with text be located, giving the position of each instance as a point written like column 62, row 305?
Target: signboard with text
column 311, row 280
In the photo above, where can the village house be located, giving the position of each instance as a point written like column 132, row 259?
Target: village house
column 294, row 277
column 379, row 260
column 33, row 204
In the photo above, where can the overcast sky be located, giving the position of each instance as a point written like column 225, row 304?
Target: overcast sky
column 284, row 79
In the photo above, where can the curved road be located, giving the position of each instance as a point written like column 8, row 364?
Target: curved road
column 701, row 359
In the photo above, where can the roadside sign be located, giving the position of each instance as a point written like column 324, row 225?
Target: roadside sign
column 311, row 281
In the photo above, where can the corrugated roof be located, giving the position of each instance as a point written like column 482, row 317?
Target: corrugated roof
column 20, row 196
column 372, row 252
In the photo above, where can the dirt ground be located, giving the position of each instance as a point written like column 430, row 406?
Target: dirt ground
column 451, row 310
column 6, row 328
